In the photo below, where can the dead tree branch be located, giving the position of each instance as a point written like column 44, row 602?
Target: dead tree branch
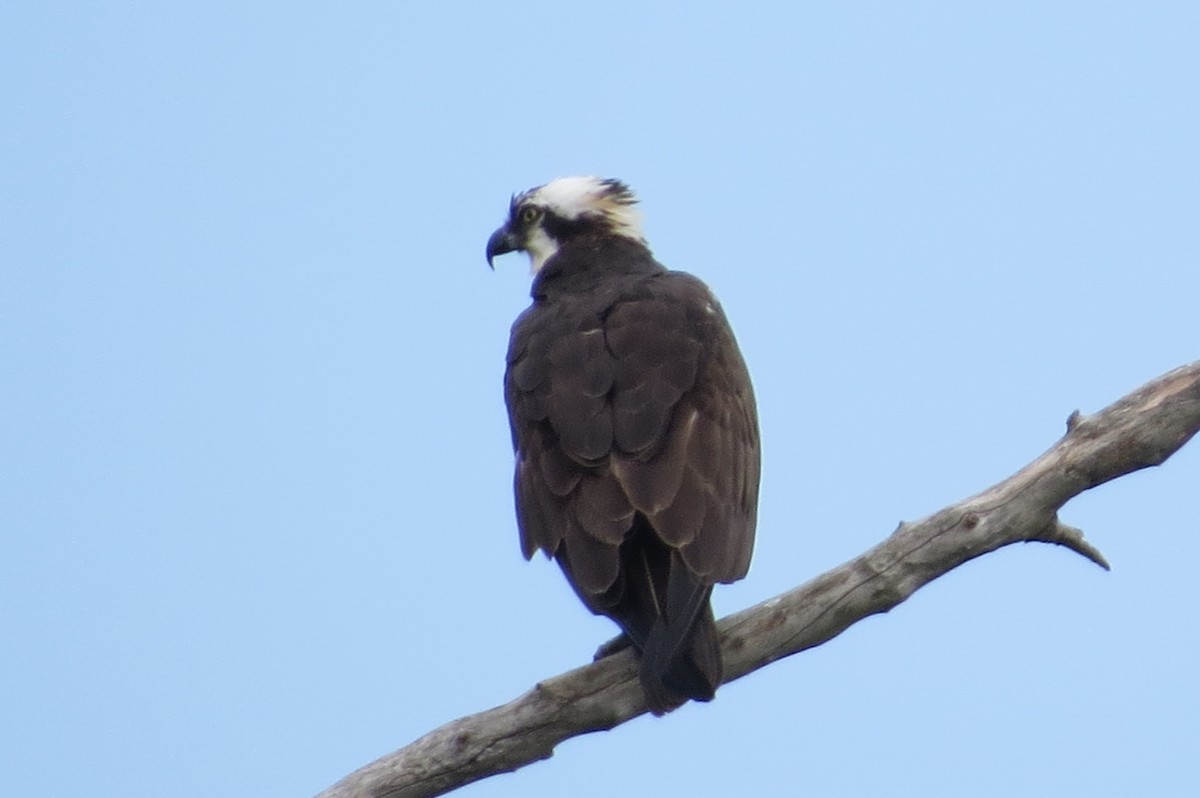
column 1142, row 429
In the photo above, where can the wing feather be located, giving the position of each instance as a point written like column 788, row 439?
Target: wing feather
column 602, row 509
column 594, row 565
column 532, row 523
column 633, row 401
column 559, row 473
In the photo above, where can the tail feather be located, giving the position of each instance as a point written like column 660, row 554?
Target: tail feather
column 694, row 671
column 663, row 609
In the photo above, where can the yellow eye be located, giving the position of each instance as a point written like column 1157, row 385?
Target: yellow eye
column 530, row 214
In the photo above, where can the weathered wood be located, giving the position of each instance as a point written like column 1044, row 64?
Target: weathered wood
column 1143, row 429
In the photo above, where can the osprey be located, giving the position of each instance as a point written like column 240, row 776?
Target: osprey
column 635, row 430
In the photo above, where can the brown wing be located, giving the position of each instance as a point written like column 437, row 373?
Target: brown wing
column 633, row 400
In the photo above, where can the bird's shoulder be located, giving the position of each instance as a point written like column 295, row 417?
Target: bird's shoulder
column 632, row 306
column 607, row 368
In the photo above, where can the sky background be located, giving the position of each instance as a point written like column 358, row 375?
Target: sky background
column 256, row 521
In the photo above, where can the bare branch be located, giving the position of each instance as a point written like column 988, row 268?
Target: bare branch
column 1142, row 429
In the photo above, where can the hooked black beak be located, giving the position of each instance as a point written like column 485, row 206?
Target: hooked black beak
column 502, row 241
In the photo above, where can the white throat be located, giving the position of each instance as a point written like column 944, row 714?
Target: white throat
column 540, row 247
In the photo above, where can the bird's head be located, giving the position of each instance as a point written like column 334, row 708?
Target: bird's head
column 543, row 219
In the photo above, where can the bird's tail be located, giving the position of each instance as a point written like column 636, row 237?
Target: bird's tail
column 693, row 671
column 664, row 610
column 682, row 660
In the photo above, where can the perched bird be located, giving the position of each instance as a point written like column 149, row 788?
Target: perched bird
column 635, row 429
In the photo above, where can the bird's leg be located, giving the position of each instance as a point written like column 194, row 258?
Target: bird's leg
column 607, row 649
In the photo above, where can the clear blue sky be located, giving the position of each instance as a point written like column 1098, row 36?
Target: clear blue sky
column 255, row 510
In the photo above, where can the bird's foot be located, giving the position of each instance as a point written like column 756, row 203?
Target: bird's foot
column 607, row 649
